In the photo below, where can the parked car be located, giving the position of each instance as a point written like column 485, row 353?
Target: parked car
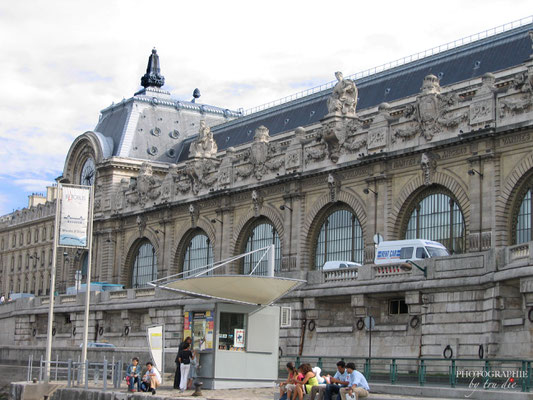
column 398, row 251
column 332, row 265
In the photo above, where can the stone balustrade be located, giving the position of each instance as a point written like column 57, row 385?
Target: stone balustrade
column 344, row 274
column 383, row 271
column 519, row 251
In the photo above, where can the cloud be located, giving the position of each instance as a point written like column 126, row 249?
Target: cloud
column 64, row 61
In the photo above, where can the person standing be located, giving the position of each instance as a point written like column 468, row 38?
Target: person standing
column 177, row 375
column 184, row 357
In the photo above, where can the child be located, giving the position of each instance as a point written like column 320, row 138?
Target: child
column 132, row 375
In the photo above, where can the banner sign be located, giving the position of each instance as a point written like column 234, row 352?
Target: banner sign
column 155, row 342
column 73, row 225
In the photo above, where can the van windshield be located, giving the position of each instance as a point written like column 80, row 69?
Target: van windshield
column 437, row 251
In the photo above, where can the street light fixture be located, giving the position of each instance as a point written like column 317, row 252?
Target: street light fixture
column 473, row 171
column 283, row 207
column 368, row 190
column 406, row 266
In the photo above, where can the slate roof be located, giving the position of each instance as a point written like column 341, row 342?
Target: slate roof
column 469, row 61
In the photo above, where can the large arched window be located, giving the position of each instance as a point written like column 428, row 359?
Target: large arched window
column 437, row 216
column 340, row 239
column 199, row 253
column 144, row 265
column 522, row 225
column 262, row 234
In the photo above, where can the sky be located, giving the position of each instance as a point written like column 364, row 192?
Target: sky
column 61, row 62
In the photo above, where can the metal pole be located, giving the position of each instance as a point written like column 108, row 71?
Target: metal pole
column 52, row 285
column 69, row 372
column 105, row 375
column 86, row 373
column 271, row 260
column 88, row 285
column 41, row 369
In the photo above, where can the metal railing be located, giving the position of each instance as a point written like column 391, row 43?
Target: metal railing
column 78, row 374
column 509, row 374
column 396, row 63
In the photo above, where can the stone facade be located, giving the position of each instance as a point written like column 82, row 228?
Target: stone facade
column 471, row 140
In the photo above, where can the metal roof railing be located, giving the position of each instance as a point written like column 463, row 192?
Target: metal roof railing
column 396, row 63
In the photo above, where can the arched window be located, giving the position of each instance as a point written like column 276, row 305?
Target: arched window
column 262, row 234
column 437, row 216
column 144, row 265
column 84, row 264
column 199, row 253
column 340, row 239
column 522, row 224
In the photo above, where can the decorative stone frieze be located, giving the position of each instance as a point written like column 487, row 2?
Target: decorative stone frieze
column 145, row 188
column 262, row 158
column 432, row 112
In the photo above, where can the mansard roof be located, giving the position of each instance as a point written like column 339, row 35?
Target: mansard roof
column 462, row 63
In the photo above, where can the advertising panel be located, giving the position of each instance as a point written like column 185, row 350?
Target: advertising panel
column 73, row 224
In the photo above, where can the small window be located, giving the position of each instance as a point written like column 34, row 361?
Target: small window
column 421, row 253
column 285, row 317
column 406, row 253
column 398, row 307
column 44, row 234
column 232, row 331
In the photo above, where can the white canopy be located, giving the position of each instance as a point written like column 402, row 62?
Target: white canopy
column 247, row 289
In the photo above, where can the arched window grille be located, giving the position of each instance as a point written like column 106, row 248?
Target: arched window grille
column 199, row 253
column 523, row 224
column 438, row 217
column 144, row 265
column 84, row 264
column 340, row 239
column 263, row 234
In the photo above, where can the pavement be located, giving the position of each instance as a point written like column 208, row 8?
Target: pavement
column 259, row 394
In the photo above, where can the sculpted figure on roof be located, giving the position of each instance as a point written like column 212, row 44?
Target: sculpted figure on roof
column 205, row 146
column 343, row 99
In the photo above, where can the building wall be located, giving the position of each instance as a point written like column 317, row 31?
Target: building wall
column 481, row 296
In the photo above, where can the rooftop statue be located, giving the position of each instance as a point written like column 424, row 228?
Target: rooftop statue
column 343, row 99
column 205, row 146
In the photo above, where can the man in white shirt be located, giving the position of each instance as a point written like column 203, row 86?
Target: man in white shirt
column 356, row 383
column 334, row 383
column 151, row 379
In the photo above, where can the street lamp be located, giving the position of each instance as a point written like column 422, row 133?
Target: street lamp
column 406, row 266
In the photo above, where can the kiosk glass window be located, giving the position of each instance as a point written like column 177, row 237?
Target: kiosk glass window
column 231, row 331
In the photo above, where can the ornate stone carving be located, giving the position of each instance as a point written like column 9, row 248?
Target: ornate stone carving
column 168, row 183
column 202, row 173
column 524, row 83
column 146, row 187
column 205, row 145
column 141, row 224
column 482, row 106
column 194, row 212
column 333, row 185
column 257, row 201
column 119, row 196
column 428, row 164
column 263, row 156
column 431, row 113
column 343, row 99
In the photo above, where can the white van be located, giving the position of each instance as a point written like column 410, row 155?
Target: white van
column 331, row 265
column 397, row 251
